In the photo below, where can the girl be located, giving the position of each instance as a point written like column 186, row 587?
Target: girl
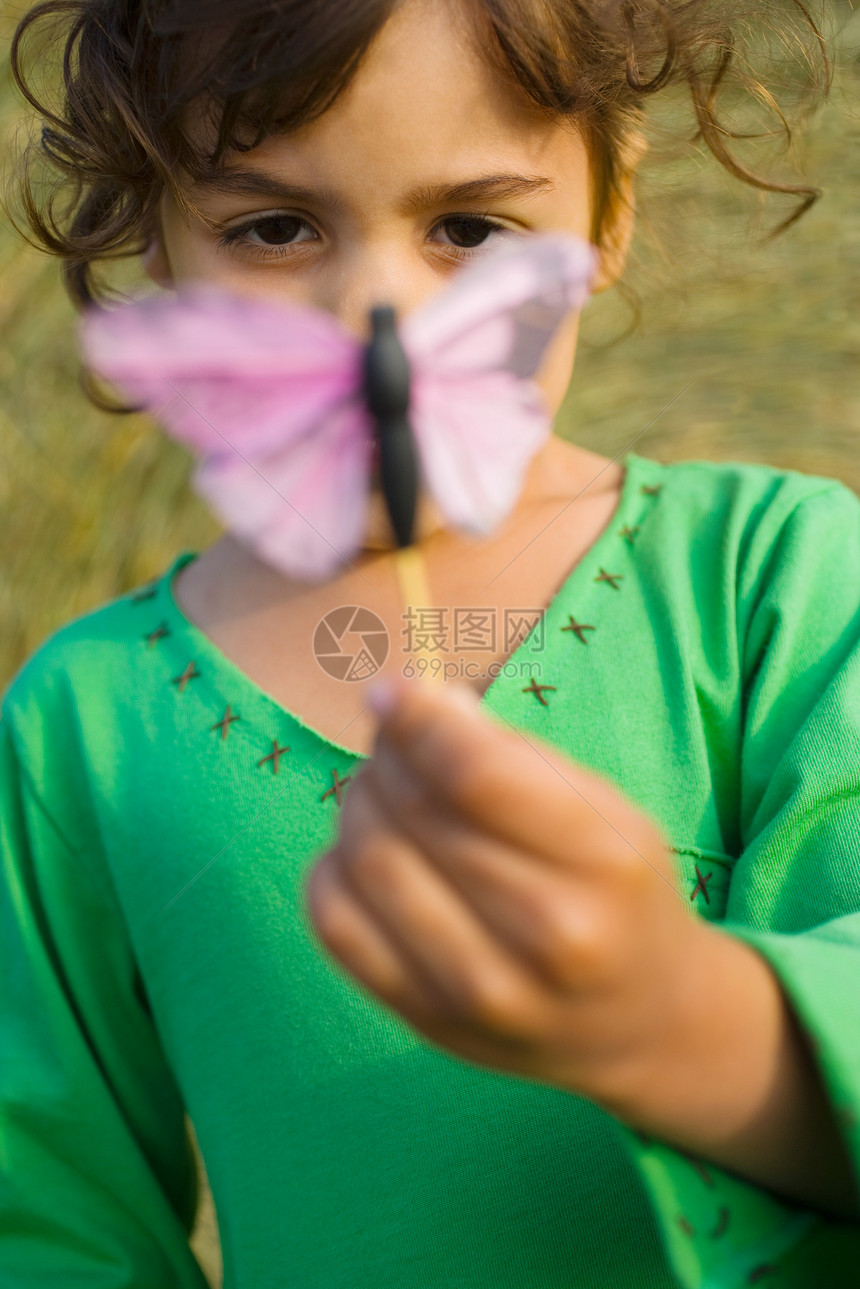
column 445, row 1006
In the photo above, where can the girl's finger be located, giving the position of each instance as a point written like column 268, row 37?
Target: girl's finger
column 514, row 787
column 355, row 938
column 432, row 930
column 359, row 944
column 543, row 918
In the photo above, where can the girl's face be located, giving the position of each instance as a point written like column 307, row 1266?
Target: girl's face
column 352, row 210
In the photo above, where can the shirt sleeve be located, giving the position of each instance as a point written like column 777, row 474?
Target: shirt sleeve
column 98, row 1182
column 794, row 893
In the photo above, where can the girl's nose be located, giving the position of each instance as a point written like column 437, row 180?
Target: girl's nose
column 353, row 312
column 369, row 281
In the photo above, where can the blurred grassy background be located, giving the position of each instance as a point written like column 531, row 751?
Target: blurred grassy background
column 746, row 351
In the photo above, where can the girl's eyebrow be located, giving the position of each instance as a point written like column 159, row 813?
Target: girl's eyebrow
column 253, row 183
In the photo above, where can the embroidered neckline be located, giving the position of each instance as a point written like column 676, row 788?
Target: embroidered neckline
column 220, row 676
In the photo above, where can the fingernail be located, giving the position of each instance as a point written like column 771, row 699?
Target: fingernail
column 381, row 696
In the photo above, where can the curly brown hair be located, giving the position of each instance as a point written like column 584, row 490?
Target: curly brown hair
column 131, row 68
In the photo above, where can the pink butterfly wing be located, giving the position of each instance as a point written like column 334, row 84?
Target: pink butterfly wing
column 475, row 441
column 222, row 370
column 478, row 417
column 266, row 395
column 303, row 510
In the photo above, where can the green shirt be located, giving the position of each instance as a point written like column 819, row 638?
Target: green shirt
column 157, row 959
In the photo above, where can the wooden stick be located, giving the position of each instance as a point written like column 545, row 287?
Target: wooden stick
column 415, row 593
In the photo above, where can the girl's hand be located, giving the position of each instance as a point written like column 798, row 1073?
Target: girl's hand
column 514, row 908
column 519, row 912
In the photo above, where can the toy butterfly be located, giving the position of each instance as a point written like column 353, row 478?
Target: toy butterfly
column 272, row 396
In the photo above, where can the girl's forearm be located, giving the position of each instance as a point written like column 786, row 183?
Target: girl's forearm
column 732, row 1080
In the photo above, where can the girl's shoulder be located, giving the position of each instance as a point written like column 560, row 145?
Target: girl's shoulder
column 87, row 696
column 76, row 708
column 742, row 511
column 754, row 485
column 73, row 663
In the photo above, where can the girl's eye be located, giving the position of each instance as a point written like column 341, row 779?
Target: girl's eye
column 276, row 231
column 277, row 234
column 466, row 228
